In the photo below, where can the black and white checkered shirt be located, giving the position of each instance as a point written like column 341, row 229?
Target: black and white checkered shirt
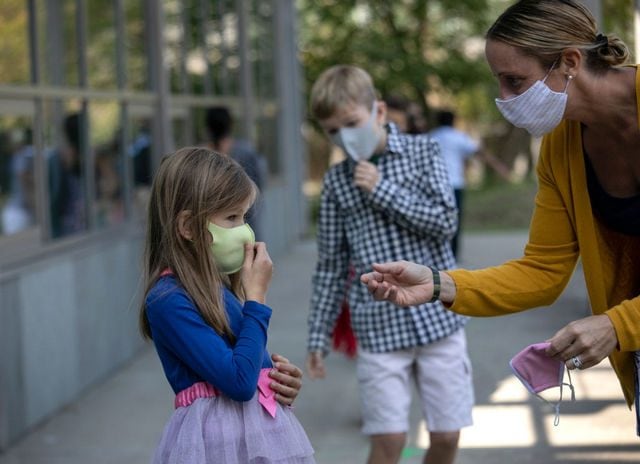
column 410, row 214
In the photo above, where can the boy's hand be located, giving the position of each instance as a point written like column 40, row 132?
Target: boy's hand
column 366, row 176
column 315, row 365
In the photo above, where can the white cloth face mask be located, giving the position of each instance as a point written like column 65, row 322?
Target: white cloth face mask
column 359, row 142
column 538, row 110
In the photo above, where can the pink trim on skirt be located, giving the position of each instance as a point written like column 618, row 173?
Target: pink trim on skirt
column 195, row 391
column 266, row 396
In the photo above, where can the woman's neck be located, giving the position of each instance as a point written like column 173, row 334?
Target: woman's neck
column 607, row 103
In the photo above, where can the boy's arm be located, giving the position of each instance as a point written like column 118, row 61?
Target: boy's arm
column 429, row 211
column 330, row 276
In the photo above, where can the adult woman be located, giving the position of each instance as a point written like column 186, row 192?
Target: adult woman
column 559, row 77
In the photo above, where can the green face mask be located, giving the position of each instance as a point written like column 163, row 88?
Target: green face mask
column 228, row 246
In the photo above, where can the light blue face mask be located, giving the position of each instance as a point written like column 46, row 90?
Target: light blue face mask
column 359, row 142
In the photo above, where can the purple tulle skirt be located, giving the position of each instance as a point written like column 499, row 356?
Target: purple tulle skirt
column 223, row 431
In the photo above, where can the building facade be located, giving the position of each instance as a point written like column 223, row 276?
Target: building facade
column 92, row 94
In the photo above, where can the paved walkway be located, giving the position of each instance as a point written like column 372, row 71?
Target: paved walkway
column 120, row 420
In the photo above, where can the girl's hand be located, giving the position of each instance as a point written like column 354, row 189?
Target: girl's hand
column 400, row 282
column 590, row 339
column 257, row 270
column 315, row 365
column 287, row 380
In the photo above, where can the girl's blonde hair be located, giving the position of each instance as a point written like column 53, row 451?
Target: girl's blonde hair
column 340, row 85
column 198, row 183
column 544, row 28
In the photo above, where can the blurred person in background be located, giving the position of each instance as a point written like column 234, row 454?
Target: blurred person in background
column 397, row 107
column 66, row 192
column 219, row 124
column 457, row 148
column 18, row 213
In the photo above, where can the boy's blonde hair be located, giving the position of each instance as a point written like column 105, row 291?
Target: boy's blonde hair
column 197, row 182
column 338, row 86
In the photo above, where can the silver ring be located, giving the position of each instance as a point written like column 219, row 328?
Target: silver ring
column 576, row 362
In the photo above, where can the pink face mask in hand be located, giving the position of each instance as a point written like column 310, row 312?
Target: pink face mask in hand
column 539, row 372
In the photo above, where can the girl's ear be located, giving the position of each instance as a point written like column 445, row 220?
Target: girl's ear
column 184, row 224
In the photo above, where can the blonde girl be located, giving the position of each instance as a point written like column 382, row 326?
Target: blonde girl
column 204, row 308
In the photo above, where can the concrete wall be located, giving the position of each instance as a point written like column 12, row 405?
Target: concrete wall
column 66, row 322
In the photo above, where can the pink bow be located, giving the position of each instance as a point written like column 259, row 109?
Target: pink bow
column 266, row 396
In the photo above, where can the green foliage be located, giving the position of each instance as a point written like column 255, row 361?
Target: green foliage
column 618, row 20
column 410, row 47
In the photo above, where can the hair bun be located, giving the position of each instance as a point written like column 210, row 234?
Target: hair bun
column 602, row 39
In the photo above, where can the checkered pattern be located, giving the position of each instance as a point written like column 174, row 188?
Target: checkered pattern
column 410, row 215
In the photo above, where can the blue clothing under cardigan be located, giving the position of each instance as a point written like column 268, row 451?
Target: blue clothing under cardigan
column 191, row 351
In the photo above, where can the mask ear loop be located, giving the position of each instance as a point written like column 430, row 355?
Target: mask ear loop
column 550, row 69
column 556, row 407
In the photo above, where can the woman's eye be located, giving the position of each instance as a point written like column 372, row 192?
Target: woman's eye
column 513, row 82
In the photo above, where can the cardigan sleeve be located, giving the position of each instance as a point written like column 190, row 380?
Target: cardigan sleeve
column 537, row 278
column 624, row 318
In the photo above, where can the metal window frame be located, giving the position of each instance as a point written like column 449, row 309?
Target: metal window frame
column 157, row 99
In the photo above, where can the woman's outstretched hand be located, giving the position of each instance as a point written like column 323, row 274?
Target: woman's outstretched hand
column 400, row 282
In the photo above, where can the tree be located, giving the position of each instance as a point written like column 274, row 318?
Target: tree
column 410, row 47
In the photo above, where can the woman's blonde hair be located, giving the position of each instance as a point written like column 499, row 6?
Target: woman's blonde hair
column 196, row 182
column 544, row 28
column 340, row 85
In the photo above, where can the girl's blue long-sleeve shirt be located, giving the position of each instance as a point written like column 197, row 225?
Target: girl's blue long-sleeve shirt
column 191, row 351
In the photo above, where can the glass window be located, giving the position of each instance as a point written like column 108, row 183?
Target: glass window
column 109, row 171
column 262, row 60
column 136, row 39
column 14, row 52
column 58, row 42
column 174, row 36
column 180, row 126
column 261, row 55
column 200, row 134
column 101, row 44
column 196, row 58
column 17, row 174
column 140, row 152
column 65, row 129
column 222, row 48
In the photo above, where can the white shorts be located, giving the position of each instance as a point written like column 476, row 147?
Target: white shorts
column 442, row 374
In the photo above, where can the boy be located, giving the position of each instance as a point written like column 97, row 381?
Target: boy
column 389, row 200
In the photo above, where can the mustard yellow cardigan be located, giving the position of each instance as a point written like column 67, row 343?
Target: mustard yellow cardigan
column 563, row 228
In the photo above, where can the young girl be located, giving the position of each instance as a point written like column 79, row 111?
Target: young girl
column 206, row 283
